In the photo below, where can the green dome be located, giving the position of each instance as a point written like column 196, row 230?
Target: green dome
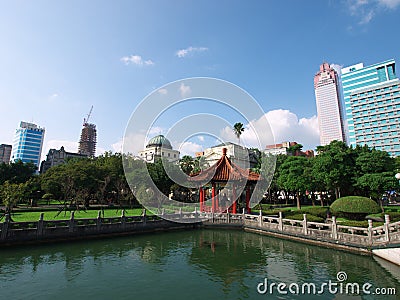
column 159, row 141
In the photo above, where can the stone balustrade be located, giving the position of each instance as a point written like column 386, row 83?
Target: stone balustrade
column 333, row 233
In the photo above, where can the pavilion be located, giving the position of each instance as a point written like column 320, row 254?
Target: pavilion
column 224, row 175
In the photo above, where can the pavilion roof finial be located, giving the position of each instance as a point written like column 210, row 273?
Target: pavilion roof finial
column 224, row 151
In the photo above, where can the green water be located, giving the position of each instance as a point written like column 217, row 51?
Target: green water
column 200, row 264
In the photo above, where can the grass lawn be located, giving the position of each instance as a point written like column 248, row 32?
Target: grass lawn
column 50, row 215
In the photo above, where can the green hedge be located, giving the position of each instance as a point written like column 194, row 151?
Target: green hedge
column 354, row 207
column 310, row 218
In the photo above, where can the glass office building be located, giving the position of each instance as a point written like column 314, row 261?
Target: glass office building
column 372, row 103
column 28, row 142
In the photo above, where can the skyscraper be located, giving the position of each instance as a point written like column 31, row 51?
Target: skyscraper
column 28, row 142
column 372, row 100
column 329, row 107
column 88, row 140
column 5, row 153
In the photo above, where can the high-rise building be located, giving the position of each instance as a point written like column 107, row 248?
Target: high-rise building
column 372, row 100
column 88, row 140
column 28, row 142
column 5, row 153
column 329, row 107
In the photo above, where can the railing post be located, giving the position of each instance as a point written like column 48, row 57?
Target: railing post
column 334, row 228
column 370, row 231
column 6, row 225
column 72, row 222
column 228, row 217
column 305, row 231
column 280, row 221
column 386, row 225
column 123, row 219
column 144, row 216
column 39, row 230
column 195, row 214
column 260, row 220
column 180, row 213
column 163, row 211
column 98, row 221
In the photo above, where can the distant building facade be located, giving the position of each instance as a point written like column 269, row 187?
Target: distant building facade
column 329, row 106
column 28, row 143
column 239, row 155
column 88, row 140
column 372, row 99
column 58, row 157
column 5, row 153
column 283, row 148
column 159, row 147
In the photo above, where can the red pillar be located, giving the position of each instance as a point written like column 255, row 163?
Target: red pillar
column 213, row 197
column 248, row 209
column 201, row 198
column 234, row 208
column 217, row 200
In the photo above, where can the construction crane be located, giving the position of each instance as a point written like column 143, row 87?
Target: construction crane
column 86, row 120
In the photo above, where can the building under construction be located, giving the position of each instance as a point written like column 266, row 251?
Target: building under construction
column 88, row 140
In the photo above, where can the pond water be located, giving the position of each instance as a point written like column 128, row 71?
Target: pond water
column 198, row 264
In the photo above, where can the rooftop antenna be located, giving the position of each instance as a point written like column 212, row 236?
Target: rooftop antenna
column 86, row 120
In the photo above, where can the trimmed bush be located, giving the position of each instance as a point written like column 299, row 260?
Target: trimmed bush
column 354, row 207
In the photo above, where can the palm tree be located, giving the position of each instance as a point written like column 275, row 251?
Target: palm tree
column 187, row 164
column 238, row 129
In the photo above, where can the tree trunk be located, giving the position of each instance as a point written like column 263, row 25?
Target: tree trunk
column 298, row 200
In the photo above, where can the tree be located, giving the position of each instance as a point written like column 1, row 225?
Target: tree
column 334, row 166
column 10, row 194
column 187, row 164
column 292, row 177
column 16, row 172
column 238, row 129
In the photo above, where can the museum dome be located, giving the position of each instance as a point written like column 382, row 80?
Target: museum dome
column 159, row 141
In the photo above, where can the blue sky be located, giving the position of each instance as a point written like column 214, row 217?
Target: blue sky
column 57, row 58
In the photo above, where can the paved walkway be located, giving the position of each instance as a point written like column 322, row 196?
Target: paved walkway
column 390, row 254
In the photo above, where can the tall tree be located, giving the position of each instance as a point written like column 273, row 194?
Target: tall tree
column 238, row 129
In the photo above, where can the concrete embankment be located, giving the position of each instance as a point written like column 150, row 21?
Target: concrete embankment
column 389, row 254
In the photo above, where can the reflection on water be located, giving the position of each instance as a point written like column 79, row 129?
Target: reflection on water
column 202, row 264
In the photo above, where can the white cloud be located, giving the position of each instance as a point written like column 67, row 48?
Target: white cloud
column 136, row 60
column 163, row 91
column 366, row 10
column 201, row 138
column 366, row 18
column 189, row 148
column 117, row 146
column 285, row 126
column 391, row 4
column 184, row 52
column 184, row 90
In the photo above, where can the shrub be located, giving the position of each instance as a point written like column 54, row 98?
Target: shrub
column 318, row 211
column 310, row 218
column 354, row 207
